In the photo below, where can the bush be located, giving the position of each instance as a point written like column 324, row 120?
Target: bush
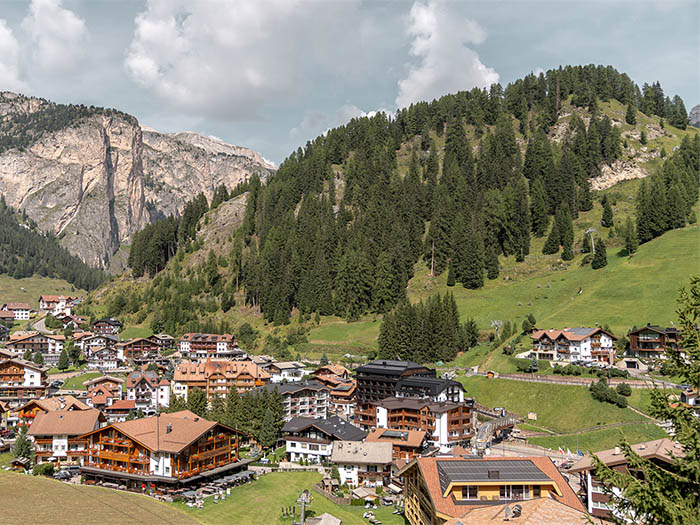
column 45, row 469
column 357, row 502
column 624, row 389
column 620, row 401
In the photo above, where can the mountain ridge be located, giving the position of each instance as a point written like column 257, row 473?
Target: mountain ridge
column 93, row 176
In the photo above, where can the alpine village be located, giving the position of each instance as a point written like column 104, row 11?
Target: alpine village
column 475, row 309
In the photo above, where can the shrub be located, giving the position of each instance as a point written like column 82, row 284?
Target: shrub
column 624, row 389
column 45, row 469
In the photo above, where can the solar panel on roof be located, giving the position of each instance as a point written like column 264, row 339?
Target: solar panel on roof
column 483, row 470
column 395, row 434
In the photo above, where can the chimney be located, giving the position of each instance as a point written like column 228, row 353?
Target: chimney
column 617, row 451
column 168, row 429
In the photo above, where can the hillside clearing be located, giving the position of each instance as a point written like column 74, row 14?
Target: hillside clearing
column 62, row 503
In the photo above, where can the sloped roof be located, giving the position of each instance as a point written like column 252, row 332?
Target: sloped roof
column 404, row 438
column 331, row 368
column 433, row 385
column 122, row 404
column 429, row 469
column 208, row 338
column 388, row 367
column 149, row 376
column 539, row 511
column 570, row 334
column 659, row 449
column 102, row 379
column 51, row 404
column 357, row 452
column 293, row 387
column 65, row 422
column 333, row 426
column 17, row 306
column 186, row 427
column 193, row 371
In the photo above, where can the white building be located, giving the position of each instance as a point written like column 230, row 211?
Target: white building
column 56, row 434
column 287, row 371
column 311, row 440
column 302, row 398
column 148, row 391
column 574, row 344
column 21, row 311
column 361, row 463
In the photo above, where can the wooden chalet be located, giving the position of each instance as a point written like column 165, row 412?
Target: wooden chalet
column 21, row 380
column 58, row 435
column 107, row 325
column 137, row 348
column 653, row 341
column 161, row 451
column 28, row 412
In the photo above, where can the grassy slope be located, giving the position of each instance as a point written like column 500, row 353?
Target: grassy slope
column 262, row 502
column 28, row 499
column 560, row 408
column 601, row 439
column 29, row 289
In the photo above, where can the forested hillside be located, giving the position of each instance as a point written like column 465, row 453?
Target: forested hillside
column 457, row 184
column 25, row 251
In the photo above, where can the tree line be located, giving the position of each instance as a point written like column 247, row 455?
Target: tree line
column 428, row 331
column 26, row 251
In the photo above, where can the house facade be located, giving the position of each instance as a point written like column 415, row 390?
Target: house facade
column 217, row 377
column 165, row 450
column 406, row 444
column 104, row 359
column 148, row 391
column 20, row 311
column 574, row 345
column 203, row 346
column 342, row 388
column 103, row 391
column 107, row 326
column 287, row 371
column 302, row 398
column 652, row 342
column 311, row 440
column 57, row 435
column 377, row 380
column 58, row 305
column 363, row 464
column 594, row 493
column 446, row 424
column 22, row 381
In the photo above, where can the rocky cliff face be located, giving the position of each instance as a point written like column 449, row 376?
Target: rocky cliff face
column 694, row 117
column 100, row 178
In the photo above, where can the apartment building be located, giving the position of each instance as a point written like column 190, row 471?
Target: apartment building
column 217, row 377
column 574, row 344
column 302, row 398
column 311, row 439
column 363, row 464
column 205, row 346
column 148, row 391
column 21, row 381
column 652, row 342
column 58, row 435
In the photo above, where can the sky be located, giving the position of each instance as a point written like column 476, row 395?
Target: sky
column 273, row 74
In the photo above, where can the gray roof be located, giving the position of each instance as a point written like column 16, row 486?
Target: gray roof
column 388, row 367
column 292, row 387
column 433, row 386
column 362, row 453
column 334, row 427
column 501, row 470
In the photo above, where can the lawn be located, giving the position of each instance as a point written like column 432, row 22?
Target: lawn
column 623, row 294
column 262, row 502
column 560, row 408
column 76, row 383
column 5, row 458
column 136, row 331
column 604, row 439
column 55, row 370
column 29, row 499
column 29, row 289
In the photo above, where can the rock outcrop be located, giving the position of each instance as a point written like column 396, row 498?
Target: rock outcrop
column 694, row 116
column 100, row 178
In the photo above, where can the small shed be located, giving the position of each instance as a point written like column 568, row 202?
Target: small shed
column 21, row 463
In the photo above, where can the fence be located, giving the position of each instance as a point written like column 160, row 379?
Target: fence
column 318, row 487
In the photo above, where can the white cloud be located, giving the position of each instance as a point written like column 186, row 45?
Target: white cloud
column 440, row 37
column 227, row 58
column 10, row 78
column 317, row 122
column 59, row 36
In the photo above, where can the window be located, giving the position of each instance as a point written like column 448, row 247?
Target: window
column 536, row 491
column 313, row 447
column 469, row 492
column 506, row 492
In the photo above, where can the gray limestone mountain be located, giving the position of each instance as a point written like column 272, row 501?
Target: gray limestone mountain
column 694, row 116
column 93, row 177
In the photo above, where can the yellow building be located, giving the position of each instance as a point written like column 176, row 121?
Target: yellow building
column 438, row 489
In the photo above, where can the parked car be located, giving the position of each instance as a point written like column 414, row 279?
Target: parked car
column 63, row 475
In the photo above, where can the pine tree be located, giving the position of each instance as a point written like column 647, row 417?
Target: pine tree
column 268, row 429
column 539, row 208
column 607, row 219
column 197, row 401
column 600, row 258
column 472, row 274
column 63, row 362
column 586, row 248
column 450, row 275
column 649, row 491
column 383, row 296
column 22, row 447
column 324, row 360
column 493, row 267
column 217, row 410
column 631, row 115
column 643, row 138
column 27, row 356
column 566, row 231
column 676, row 208
column 38, row 358
column 631, row 242
column 551, row 245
